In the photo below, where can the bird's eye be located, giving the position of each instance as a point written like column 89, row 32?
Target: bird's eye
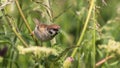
column 50, row 31
column 53, row 32
column 55, row 29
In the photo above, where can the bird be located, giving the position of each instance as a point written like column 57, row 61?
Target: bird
column 45, row 32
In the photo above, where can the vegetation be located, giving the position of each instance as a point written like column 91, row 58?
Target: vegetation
column 88, row 38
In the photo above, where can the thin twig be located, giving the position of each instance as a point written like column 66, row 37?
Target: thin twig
column 61, row 13
column 25, row 21
column 14, row 29
column 84, row 29
column 103, row 60
column 22, row 15
column 64, row 52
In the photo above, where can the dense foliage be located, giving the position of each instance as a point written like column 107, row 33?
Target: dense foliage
column 88, row 37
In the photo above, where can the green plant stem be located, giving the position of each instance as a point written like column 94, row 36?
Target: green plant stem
column 94, row 37
column 25, row 21
column 16, row 33
column 14, row 29
column 48, row 9
column 22, row 15
column 64, row 52
column 49, row 16
column 84, row 29
column 61, row 13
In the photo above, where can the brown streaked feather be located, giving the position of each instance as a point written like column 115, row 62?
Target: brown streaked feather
column 45, row 32
column 36, row 21
column 53, row 26
column 42, row 25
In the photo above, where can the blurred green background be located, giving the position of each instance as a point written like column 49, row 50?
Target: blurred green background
column 103, row 26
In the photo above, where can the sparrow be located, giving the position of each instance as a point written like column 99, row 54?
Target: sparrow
column 45, row 32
